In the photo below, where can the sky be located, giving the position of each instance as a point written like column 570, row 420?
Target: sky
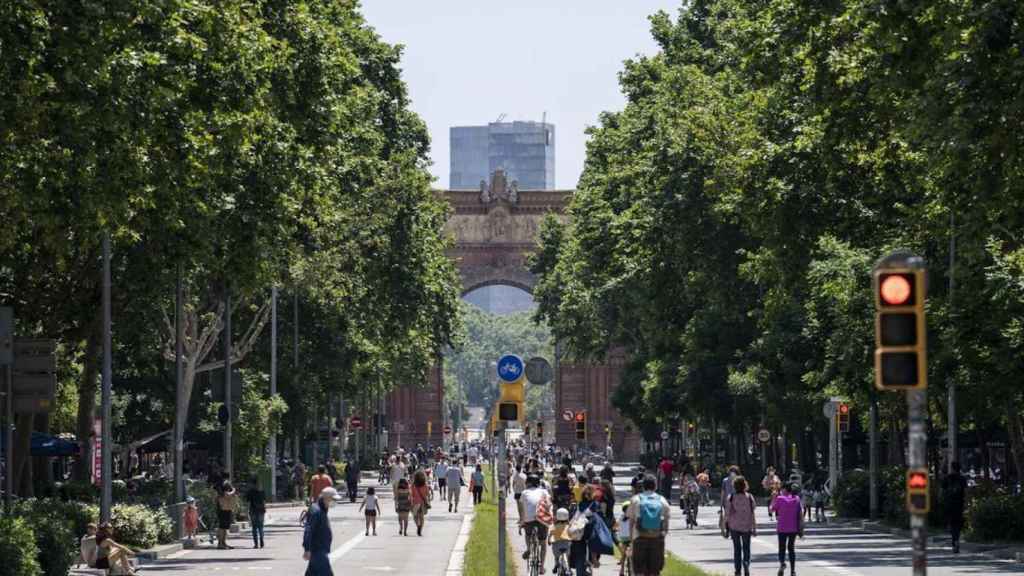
column 467, row 62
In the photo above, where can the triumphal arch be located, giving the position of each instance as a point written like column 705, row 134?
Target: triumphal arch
column 494, row 230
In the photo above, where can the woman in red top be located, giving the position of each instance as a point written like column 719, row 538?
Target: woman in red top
column 420, row 500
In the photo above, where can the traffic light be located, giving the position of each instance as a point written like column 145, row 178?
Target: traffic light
column 540, row 429
column 691, row 428
column 223, row 415
column 900, row 332
column 918, row 497
column 844, row 417
column 512, row 378
column 581, row 425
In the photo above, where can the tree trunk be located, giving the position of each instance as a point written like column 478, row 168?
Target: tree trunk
column 87, row 405
column 1016, row 438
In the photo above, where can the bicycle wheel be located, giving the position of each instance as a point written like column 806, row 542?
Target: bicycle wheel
column 534, row 557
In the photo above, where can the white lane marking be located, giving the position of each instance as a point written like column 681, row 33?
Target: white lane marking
column 841, row 570
column 458, row 556
column 178, row 554
column 346, row 547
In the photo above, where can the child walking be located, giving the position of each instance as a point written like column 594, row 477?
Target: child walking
column 192, row 519
column 624, row 539
column 403, row 505
column 371, row 509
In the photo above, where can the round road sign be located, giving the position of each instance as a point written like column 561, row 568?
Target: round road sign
column 538, row 371
column 568, row 415
column 764, row 435
column 510, row 368
column 829, row 409
column 355, row 423
column 664, row 434
column 447, row 429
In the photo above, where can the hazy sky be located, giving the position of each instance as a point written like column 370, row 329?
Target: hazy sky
column 468, row 61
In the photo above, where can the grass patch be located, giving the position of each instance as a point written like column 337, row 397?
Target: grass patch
column 482, row 547
column 676, row 567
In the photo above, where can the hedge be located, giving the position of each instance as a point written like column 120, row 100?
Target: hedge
column 996, row 518
column 52, row 524
column 18, row 548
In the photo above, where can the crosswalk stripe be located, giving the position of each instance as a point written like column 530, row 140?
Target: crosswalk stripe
column 346, row 547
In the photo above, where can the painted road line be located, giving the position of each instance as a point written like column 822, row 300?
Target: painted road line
column 830, row 566
column 458, row 557
column 178, row 554
column 346, row 547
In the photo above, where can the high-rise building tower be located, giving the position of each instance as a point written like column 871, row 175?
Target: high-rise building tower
column 524, row 150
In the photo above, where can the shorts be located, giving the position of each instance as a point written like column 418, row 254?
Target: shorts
column 648, row 555
column 224, row 518
column 103, row 563
column 441, row 483
column 517, row 496
column 371, row 513
column 560, row 547
column 539, row 530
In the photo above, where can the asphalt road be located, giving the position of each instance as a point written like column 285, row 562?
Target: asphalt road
column 353, row 552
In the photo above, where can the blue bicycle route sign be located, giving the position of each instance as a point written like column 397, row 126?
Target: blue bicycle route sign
column 510, row 368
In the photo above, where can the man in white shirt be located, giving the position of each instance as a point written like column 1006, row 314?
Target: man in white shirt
column 648, row 523
column 441, row 473
column 530, row 502
column 518, row 486
column 454, row 476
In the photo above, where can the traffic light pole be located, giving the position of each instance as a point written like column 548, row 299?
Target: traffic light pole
column 916, row 403
column 496, row 474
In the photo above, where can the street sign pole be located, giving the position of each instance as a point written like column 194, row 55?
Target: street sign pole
column 833, row 456
column 180, row 413
column 105, row 499
column 873, row 459
column 228, row 461
column 272, row 445
column 502, row 466
column 916, row 402
column 6, row 360
column 9, row 452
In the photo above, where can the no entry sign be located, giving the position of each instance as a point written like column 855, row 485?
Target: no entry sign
column 355, row 423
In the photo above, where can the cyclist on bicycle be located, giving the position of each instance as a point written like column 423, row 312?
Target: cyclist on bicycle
column 536, row 506
column 560, row 543
column 690, row 499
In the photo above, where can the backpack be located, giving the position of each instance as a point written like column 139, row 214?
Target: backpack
column 649, row 512
column 577, row 526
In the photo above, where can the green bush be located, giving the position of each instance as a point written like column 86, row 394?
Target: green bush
column 18, row 548
column 139, row 526
column 78, row 492
column 851, row 498
column 995, row 518
column 53, row 531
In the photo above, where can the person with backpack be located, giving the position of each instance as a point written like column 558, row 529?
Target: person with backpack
column 790, row 525
column 954, row 491
column 740, row 523
column 649, row 517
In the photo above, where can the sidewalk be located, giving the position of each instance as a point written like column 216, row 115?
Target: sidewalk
column 995, row 550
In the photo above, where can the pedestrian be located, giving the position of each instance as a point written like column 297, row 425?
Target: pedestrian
column 403, row 505
column 579, row 553
column 768, row 483
column 109, row 553
column 562, row 489
column 728, row 484
column 558, row 538
column 637, row 483
column 441, row 474
column 807, row 501
column 786, row 508
column 319, row 481
column 624, row 537
column 607, row 473
column 518, row 486
column 227, row 500
column 87, row 546
column 740, row 523
column 455, row 483
column 317, row 537
column 476, row 484
column 704, row 481
column 666, row 470
column 191, row 518
column 954, row 490
column 299, row 481
column 420, row 500
column 649, row 517
column 257, row 512
column 370, row 508
column 352, row 473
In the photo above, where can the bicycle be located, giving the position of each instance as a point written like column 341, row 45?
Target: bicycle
column 562, row 564
column 533, row 550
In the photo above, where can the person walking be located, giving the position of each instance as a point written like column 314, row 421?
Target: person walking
column 352, row 473
column 954, row 491
column 579, row 552
column 728, row 485
column 476, row 484
column 772, row 487
column 299, row 481
column 319, row 481
column 649, row 518
column 790, row 525
column 665, row 477
column 317, row 537
column 741, row 523
column 441, row 474
column 257, row 511
column 227, row 500
column 454, row 485
column 403, row 505
column 370, row 508
column 704, row 481
column 420, row 500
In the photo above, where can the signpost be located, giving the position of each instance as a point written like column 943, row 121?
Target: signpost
column 6, row 360
column 35, row 375
column 764, row 436
column 447, row 429
column 355, row 423
column 538, row 371
column 568, row 415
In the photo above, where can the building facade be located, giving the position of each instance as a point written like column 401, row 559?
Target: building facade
column 525, row 151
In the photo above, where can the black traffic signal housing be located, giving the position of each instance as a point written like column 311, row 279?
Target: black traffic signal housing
column 223, row 415
column 900, row 330
column 918, row 495
column 540, row 429
column 843, row 417
column 581, row 425
column 691, row 428
column 508, row 411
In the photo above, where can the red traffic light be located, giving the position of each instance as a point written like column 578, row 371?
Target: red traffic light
column 844, row 409
column 917, row 481
column 581, row 416
column 896, row 289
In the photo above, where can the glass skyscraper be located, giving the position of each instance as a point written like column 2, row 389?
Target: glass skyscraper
column 524, row 150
